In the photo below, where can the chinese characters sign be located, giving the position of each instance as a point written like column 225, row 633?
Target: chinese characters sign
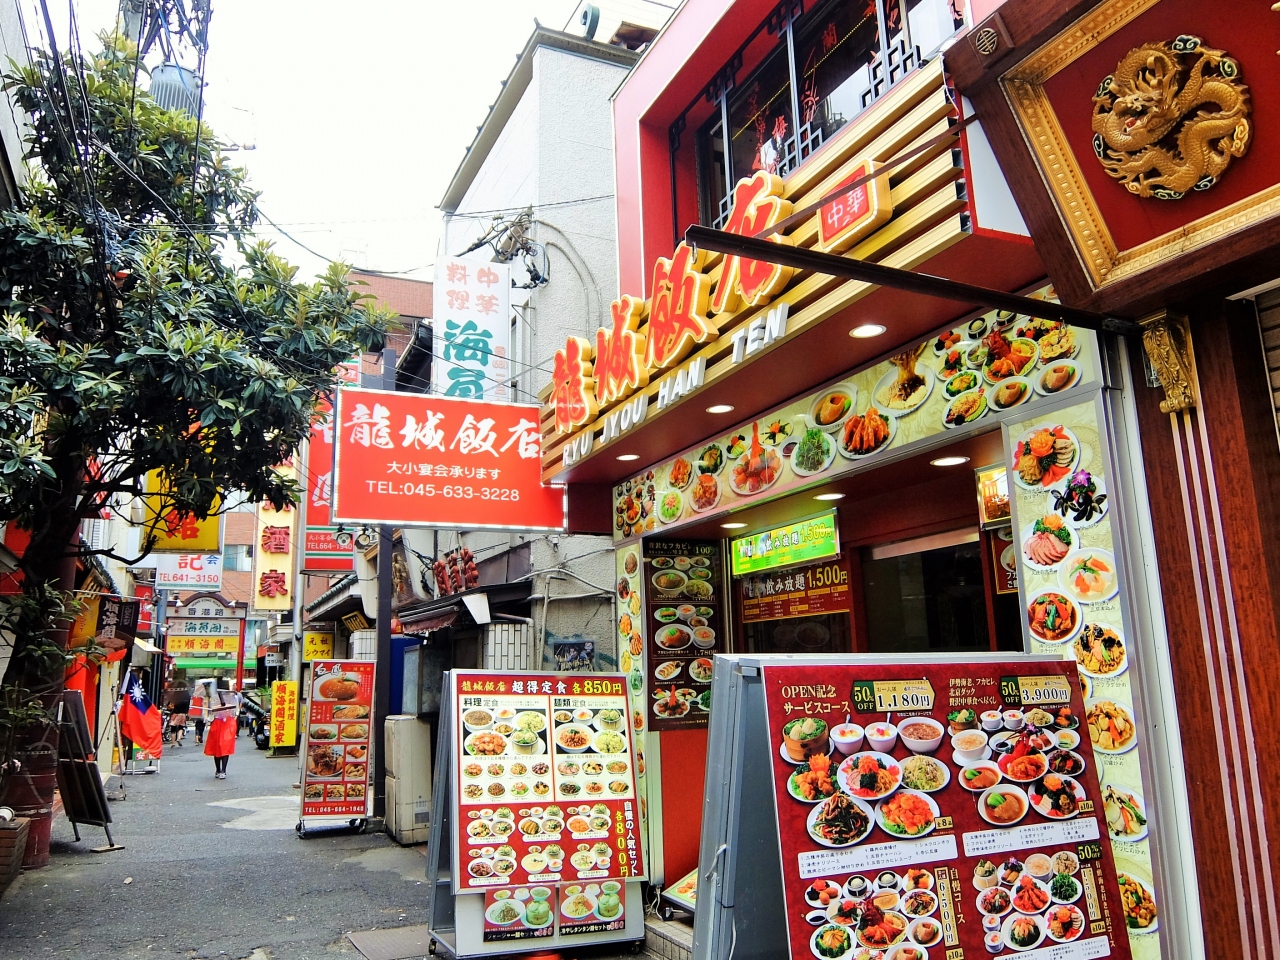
column 317, row 645
column 324, row 548
column 188, row 571
column 273, row 554
column 807, row 592
column 421, row 460
column 811, row 539
column 335, row 780
column 962, row 814
column 848, row 218
column 177, row 532
column 187, row 643
column 284, row 713
column 472, row 330
column 545, row 780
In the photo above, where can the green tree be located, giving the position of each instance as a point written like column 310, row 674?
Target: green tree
column 144, row 328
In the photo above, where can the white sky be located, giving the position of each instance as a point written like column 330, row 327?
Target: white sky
column 360, row 112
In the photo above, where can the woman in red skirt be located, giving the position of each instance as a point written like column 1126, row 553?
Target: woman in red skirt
column 220, row 738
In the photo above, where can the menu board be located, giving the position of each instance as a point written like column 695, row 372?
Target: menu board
column 519, row 913
column 957, row 814
column 629, row 609
column 1004, row 558
column 1073, row 592
column 592, row 907
column 684, row 891
column 994, row 367
column 335, row 779
column 685, row 628
column 805, row 592
column 545, row 769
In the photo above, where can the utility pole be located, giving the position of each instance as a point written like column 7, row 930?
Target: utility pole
column 382, row 673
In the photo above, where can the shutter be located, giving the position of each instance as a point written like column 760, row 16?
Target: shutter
column 1269, row 319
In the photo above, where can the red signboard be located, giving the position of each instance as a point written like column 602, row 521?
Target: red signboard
column 804, row 592
column 335, row 782
column 431, row 461
column 325, row 549
column 959, row 813
column 855, row 213
column 546, row 780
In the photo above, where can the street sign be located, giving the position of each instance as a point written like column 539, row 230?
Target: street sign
column 203, row 628
column 188, row 571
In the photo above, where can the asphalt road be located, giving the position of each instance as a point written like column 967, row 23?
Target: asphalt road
column 211, row 868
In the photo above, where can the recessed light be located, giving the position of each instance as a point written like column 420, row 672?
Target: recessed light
column 733, row 526
column 867, row 330
column 949, row 461
column 720, row 408
column 628, row 456
column 829, row 496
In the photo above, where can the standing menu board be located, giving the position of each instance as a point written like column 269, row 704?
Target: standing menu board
column 545, row 780
column 685, row 629
column 941, row 809
column 335, row 777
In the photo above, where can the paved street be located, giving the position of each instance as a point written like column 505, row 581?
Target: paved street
column 211, row 868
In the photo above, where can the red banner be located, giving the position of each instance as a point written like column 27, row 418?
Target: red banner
column 959, row 813
column 335, row 782
column 431, row 461
column 804, row 592
column 325, row 549
column 546, row 778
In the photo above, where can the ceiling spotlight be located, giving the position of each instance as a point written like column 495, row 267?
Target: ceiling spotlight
column 949, row 461
column 829, row 496
column 720, row 408
column 867, row 330
column 628, row 456
column 733, row 526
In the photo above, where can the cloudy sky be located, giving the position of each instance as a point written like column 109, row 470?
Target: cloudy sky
column 358, row 112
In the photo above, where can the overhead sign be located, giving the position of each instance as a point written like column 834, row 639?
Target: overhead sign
column 196, row 644
column 204, row 628
column 421, row 460
column 273, row 555
column 472, row 330
column 325, row 548
column 188, row 571
column 177, row 532
column 802, row 542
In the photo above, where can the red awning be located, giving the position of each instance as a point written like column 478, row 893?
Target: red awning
column 435, row 621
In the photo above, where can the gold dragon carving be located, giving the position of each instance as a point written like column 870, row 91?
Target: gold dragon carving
column 1171, row 118
column 1166, row 337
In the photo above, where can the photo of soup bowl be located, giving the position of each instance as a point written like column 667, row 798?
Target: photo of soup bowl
column 920, row 734
column 704, row 637
column 848, row 738
column 969, row 746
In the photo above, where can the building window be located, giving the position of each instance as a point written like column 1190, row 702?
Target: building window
column 827, row 66
column 239, row 556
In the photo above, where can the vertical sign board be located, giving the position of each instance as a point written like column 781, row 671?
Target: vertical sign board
column 335, row 778
column 284, row 713
column 472, row 330
column 545, row 774
column 963, row 816
column 416, row 459
column 273, row 555
column 686, row 628
column 325, row 548
column 177, row 532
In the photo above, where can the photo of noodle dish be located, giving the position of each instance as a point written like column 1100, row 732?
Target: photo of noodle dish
column 840, row 821
column 904, row 389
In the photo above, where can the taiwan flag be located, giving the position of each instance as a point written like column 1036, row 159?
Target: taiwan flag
column 140, row 718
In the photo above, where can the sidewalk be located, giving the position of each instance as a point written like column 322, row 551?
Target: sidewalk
column 211, row 869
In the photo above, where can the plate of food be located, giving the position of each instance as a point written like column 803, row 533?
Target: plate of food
column 668, row 670
column 812, row 781
column 906, row 387
column 966, row 408
column 1046, row 541
column 953, row 360
column 1011, row 392
column 831, row 942
column 669, row 705
column 1064, row 888
column 1056, row 796
column 908, row 813
column 1044, row 456
column 711, row 459
column 1003, row 805
column 945, row 343
column 830, row 409
column 777, row 432
column 1058, row 344
column 1023, row 764
column 881, row 928
column 662, row 615
column 1057, row 377
column 1083, row 498
column 757, row 469
column 813, row 453
column 679, row 473
column 1100, row 651
column 919, row 903
column 1023, row 932
column 1030, row 896
column 324, row 761
column 926, row 774
column 674, row 636
column 1089, row 576
column 701, row 670
column 962, row 383
column 1064, row 923
column 487, row 744
column 924, row 931
column 1008, row 358
column 1126, row 813
column 980, row 776
column 505, row 912
column 669, row 582
column 1111, row 726
column 866, row 433
column 705, row 493
column 1053, row 617
column 839, row 821
column 1065, row 762
column 1139, row 904
column 975, row 356
column 995, row 902
column 870, row 775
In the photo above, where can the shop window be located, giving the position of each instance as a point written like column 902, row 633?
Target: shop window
column 828, row 633
column 828, row 64
column 239, row 557
column 931, row 601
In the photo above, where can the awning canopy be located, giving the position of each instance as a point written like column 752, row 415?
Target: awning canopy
column 433, row 621
column 146, row 646
column 208, row 663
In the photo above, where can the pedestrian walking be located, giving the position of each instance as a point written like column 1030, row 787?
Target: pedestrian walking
column 221, row 740
column 178, row 726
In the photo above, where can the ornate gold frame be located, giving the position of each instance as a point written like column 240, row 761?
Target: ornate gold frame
column 1023, row 87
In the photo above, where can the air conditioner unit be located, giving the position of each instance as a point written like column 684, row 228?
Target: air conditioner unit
column 408, row 762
